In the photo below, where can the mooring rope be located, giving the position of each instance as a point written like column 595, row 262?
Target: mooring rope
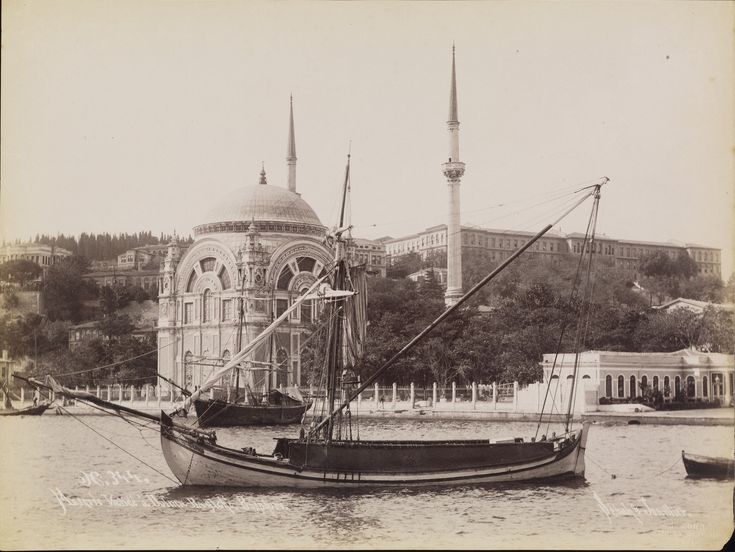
column 118, row 446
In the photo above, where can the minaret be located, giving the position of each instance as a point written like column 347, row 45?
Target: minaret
column 291, row 153
column 453, row 170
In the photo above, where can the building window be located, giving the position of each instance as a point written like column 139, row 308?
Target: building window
column 284, row 278
column 632, row 387
column 718, row 387
column 621, row 387
column 207, row 306
column 226, row 310
column 705, row 390
column 655, row 383
column 208, row 264
column 644, row 384
column 691, row 387
column 306, row 317
column 281, row 306
column 224, row 278
column 667, row 386
column 188, row 313
column 677, row 386
column 608, row 386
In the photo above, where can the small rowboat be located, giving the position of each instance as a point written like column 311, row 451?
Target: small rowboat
column 28, row 411
column 708, row 466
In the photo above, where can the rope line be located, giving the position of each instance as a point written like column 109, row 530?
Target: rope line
column 118, row 446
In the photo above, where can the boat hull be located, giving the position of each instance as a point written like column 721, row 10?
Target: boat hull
column 217, row 413
column 29, row 411
column 707, row 466
column 194, row 461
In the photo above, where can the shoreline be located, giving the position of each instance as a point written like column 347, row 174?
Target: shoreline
column 706, row 417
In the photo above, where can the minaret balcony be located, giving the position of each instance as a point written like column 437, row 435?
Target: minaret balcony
column 453, row 170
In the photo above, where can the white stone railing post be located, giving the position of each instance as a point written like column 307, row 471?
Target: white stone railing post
column 120, row 398
column 413, row 395
column 109, row 393
column 515, row 395
column 147, row 393
column 433, row 395
column 454, row 392
column 22, row 395
column 474, row 395
column 98, row 392
column 377, row 395
column 495, row 395
column 395, row 394
column 86, row 389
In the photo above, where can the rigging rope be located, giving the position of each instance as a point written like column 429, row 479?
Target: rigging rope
column 118, row 446
column 118, row 362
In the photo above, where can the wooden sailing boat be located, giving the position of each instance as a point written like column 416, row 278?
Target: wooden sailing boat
column 33, row 410
column 323, row 457
column 273, row 407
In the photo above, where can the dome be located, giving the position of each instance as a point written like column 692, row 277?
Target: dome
column 262, row 202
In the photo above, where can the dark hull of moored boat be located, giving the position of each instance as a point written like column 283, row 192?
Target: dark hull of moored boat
column 29, row 411
column 218, row 413
column 707, row 466
column 410, row 456
column 196, row 460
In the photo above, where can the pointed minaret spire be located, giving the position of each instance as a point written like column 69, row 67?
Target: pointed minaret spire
column 453, row 117
column 263, row 181
column 453, row 171
column 291, row 152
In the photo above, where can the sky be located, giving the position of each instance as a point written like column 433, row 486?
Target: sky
column 138, row 115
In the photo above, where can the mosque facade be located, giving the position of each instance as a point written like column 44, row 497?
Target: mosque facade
column 254, row 252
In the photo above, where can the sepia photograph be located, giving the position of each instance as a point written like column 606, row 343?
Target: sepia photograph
column 364, row 275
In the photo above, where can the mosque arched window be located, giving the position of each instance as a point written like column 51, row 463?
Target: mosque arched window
column 207, row 306
column 284, row 278
column 306, row 309
column 306, row 264
column 224, row 278
column 190, row 282
column 208, row 264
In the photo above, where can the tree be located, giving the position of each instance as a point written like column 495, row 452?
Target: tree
column 19, row 271
column 65, row 289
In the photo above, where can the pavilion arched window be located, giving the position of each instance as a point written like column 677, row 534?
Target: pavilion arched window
column 608, row 386
column 207, row 306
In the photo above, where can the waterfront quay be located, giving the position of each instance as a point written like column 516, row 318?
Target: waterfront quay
column 479, row 402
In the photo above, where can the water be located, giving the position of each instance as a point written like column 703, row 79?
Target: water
column 48, row 463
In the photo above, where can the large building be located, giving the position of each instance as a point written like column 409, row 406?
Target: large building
column 688, row 373
column 258, row 248
column 40, row 253
column 500, row 244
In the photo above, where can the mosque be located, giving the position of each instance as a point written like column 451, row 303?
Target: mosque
column 254, row 252
column 256, row 249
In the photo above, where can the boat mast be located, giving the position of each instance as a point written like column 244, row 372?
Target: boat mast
column 369, row 381
column 335, row 335
column 238, row 344
column 584, row 310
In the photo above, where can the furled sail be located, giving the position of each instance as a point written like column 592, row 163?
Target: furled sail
column 354, row 328
column 215, row 377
